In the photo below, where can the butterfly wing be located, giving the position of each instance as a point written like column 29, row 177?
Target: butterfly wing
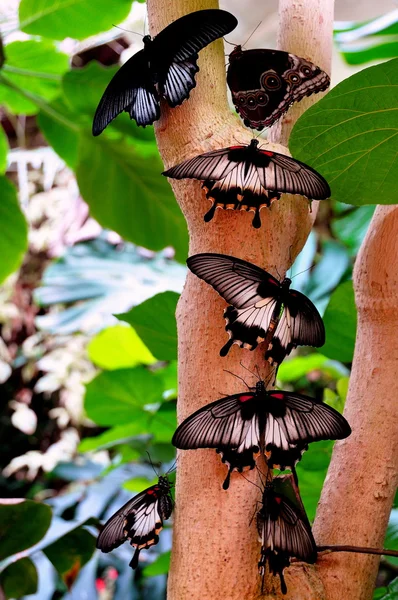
column 264, row 84
column 175, row 50
column 300, row 325
column 232, row 422
column 132, row 90
column 288, row 175
column 213, row 165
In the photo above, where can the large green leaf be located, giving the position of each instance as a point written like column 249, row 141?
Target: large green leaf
column 3, row 150
column 71, row 552
column 118, row 347
column 350, row 136
column 19, row 579
column 160, row 566
column 312, row 472
column 340, row 321
column 126, row 193
column 58, row 19
column 388, row 593
column 22, row 525
column 60, row 128
column 13, row 230
column 155, row 323
column 34, row 67
column 116, row 397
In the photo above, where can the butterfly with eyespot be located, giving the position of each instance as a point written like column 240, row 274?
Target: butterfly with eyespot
column 140, row 520
column 262, row 309
column 265, row 83
column 249, row 178
column 280, row 424
column 166, row 67
column 284, row 532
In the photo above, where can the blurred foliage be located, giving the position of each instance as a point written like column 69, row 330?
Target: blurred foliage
column 88, row 371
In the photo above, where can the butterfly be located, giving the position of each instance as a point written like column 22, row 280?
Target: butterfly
column 280, row 424
column 261, row 308
column 166, row 67
column 265, row 83
column 140, row 520
column 248, row 178
column 284, row 532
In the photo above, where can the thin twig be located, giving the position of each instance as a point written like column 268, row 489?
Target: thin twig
column 359, row 550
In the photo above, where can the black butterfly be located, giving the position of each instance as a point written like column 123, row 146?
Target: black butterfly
column 284, row 533
column 262, row 309
column 140, row 520
column 247, row 178
column 165, row 67
column 280, row 424
column 265, row 83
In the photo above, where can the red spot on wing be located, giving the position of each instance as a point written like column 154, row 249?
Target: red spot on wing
column 246, row 397
column 277, row 396
column 153, row 491
column 278, row 499
column 267, row 153
column 236, row 147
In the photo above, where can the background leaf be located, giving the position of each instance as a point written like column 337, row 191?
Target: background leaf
column 58, row 19
column 71, row 552
column 155, row 323
column 22, row 525
column 352, row 130
column 19, row 579
column 340, row 321
column 13, row 239
column 118, row 347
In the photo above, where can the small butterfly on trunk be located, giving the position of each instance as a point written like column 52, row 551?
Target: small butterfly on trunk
column 140, row 520
column 265, row 83
column 166, row 67
column 284, row 533
column 280, row 424
column 249, row 178
column 262, row 309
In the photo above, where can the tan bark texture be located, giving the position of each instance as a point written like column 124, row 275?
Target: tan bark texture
column 363, row 475
column 215, row 545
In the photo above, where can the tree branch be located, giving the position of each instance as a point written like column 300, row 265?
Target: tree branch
column 215, row 550
column 362, row 478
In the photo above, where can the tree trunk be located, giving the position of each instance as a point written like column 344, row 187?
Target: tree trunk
column 363, row 475
column 215, row 545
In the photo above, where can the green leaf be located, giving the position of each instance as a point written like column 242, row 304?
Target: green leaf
column 3, row 150
column 340, row 321
column 137, row 484
column 34, row 67
column 118, row 347
column 312, row 472
column 391, row 591
column 351, row 228
column 22, row 525
column 113, row 397
column 121, row 434
column 160, row 566
column 126, row 193
column 61, row 133
column 19, row 579
column 155, row 322
column 299, row 366
column 71, row 552
column 59, row 19
column 13, row 228
column 352, row 130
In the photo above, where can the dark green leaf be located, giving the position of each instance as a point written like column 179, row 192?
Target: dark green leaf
column 351, row 227
column 391, row 539
column 62, row 133
column 155, row 322
column 390, row 592
column 36, row 68
column 160, row 566
column 118, row 347
column 19, row 579
column 118, row 397
column 58, row 19
column 127, row 194
column 22, row 525
column 121, row 434
column 71, row 552
column 312, row 472
column 340, row 321
column 3, row 150
column 352, row 130
column 14, row 234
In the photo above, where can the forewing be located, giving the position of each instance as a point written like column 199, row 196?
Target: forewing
column 130, row 90
column 214, row 165
column 113, row 532
column 287, row 175
column 294, row 418
column 240, row 283
column 231, row 422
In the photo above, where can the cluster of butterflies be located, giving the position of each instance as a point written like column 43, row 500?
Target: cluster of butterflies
column 261, row 310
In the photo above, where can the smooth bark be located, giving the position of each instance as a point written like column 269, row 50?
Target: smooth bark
column 215, row 545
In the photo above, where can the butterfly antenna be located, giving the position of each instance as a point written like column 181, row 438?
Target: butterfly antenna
column 248, row 370
column 297, row 274
column 252, row 482
column 237, row 377
column 262, row 474
column 146, row 15
column 252, row 33
column 173, row 467
column 230, row 43
column 128, row 30
column 152, row 465
column 258, row 372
